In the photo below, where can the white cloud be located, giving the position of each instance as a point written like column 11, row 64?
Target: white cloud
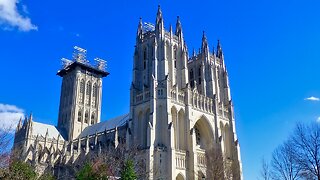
column 10, row 17
column 318, row 119
column 9, row 116
column 312, row 98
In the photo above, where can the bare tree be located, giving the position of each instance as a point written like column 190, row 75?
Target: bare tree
column 220, row 167
column 5, row 139
column 284, row 164
column 265, row 171
column 111, row 161
column 215, row 164
column 306, row 140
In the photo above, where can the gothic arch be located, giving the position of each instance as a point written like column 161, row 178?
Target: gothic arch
column 201, row 175
column 180, row 177
column 181, row 129
column 204, row 133
column 142, row 128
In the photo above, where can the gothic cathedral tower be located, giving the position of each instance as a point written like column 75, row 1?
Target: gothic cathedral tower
column 81, row 92
column 180, row 106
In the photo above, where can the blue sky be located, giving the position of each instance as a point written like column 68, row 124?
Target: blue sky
column 271, row 49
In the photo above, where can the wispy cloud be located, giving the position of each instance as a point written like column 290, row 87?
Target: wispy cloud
column 312, row 98
column 10, row 16
column 318, row 119
column 9, row 116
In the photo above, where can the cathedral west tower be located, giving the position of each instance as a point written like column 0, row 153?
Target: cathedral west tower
column 180, row 107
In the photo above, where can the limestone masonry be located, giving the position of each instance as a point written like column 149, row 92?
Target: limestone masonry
column 180, row 110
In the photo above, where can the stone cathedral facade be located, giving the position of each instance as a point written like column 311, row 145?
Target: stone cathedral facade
column 180, row 109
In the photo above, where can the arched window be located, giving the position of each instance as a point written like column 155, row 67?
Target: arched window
column 88, row 93
column 88, row 88
column 175, row 53
column 82, row 86
column 86, row 117
column 81, row 94
column 79, row 116
column 198, row 136
column 145, row 58
column 94, row 95
column 92, row 118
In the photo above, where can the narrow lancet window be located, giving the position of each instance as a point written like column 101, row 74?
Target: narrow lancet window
column 86, row 117
column 79, row 116
column 92, row 118
column 88, row 93
column 81, row 94
column 94, row 95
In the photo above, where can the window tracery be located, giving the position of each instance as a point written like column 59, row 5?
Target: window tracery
column 81, row 94
column 94, row 95
column 88, row 93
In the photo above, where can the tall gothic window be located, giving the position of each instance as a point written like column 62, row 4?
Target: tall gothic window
column 145, row 58
column 86, row 117
column 92, row 118
column 88, row 93
column 191, row 78
column 81, row 94
column 198, row 137
column 79, row 116
column 94, row 95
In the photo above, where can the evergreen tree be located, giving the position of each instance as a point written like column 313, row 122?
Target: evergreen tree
column 21, row 170
column 128, row 172
column 86, row 173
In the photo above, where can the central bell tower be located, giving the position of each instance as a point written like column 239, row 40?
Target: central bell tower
column 81, row 92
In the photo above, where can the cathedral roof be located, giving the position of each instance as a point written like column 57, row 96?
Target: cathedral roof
column 105, row 125
column 89, row 67
column 42, row 129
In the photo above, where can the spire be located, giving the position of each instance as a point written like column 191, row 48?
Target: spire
column 204, row 45
column 170, row 29
column 47, row 133
column 29, row 123
column 159, row 21
column 219, row 50
column 159, row 14
column 213, row 51
column 30, row 117
column 179, row 28
column 194, row 53
column 140, row 29
column 19, row 126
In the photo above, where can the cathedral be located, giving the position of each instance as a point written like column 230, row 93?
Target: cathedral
column 181, row 111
